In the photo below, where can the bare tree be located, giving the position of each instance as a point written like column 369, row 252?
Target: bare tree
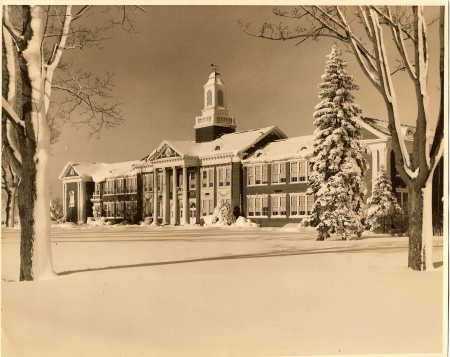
column 34, row 40
column 10, row 181
column 363, row 30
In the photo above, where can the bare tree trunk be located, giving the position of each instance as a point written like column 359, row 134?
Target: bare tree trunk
column 34, row 190
column 11, row 207
column 415, row 213
column 7, row 206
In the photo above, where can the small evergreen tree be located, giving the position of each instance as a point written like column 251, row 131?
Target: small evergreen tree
column 337, row 165
column 383, row 206
column 223, row 213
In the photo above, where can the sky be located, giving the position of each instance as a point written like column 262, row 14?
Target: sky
column 160, row 72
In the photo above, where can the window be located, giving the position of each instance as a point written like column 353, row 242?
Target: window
column 257, row 175
column 207, row 207
column 207, row 178
column 108, row 209
column 180, row 181
column 209, row 98
column 159, row 180
column 224, row 174
column 192, row 180
column 120, row 208
column 220, row 98
column 71, row 199
column 131, row 185
column 309, row 203
column 278, row 205
column 109, row 189
column 299, row 171
column 257, row 206
column 402, row 197
column 130, row 205
column 301, row 204
column 204, row 178
column 148, row 183
column 279, row 173
column 120, row 186
column 98, row 188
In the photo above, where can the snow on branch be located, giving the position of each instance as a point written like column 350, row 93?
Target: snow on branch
column 10, row 113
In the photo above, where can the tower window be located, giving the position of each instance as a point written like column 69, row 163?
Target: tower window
column 220, row 98
column 209, row 98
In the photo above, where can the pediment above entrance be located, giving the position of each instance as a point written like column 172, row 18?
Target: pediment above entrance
column 165, row 151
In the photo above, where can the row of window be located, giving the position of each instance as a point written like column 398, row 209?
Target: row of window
column 258, row 174
column 207, row 177
column 300, row 205
column 115, row 209
column 119, row 186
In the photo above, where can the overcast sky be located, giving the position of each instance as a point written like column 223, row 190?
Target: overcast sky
column 160, row 73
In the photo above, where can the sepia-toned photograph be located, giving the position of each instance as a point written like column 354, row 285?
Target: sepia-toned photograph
column 211, row 179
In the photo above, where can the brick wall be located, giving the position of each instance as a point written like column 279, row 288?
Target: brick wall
column 237, row 186
column 211, row 133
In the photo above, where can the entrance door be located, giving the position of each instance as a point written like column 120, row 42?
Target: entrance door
column 192, row 213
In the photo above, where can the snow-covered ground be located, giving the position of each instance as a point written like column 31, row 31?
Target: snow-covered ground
column 173, row 291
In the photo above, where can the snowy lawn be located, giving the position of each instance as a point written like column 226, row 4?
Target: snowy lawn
column 173, row 291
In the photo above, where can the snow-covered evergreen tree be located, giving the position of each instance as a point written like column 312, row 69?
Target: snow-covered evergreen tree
column 337, row 165
column 383, row 206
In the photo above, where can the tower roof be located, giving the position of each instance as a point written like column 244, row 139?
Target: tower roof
column 214, row 78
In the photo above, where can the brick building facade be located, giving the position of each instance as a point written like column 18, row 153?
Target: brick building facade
column 261, row 172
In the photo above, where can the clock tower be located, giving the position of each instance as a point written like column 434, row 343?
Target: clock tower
column 214, row 120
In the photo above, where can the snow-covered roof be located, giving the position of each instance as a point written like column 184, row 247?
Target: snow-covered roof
column 231, row 144
column 100, row 171
column 298, row 147
column 383, row 127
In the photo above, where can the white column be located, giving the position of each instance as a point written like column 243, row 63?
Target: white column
column 197, row 195
column 175, row 197
column 155, row 197
column 374, row 164
column 64, row 198
column 185, row 218
column 82, row 203
column 165, row 202
column 384, row 157
column 79, row 201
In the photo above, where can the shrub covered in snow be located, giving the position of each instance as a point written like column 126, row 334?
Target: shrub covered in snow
column 337, row 165
column 147, row 221
column 383, row 206
column 223, row 213
column 91, row 221
column 130, row 214
column 245, row 222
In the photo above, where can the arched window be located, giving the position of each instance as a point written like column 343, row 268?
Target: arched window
column 209, row 98
column 71, row 199
column 220, row 98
